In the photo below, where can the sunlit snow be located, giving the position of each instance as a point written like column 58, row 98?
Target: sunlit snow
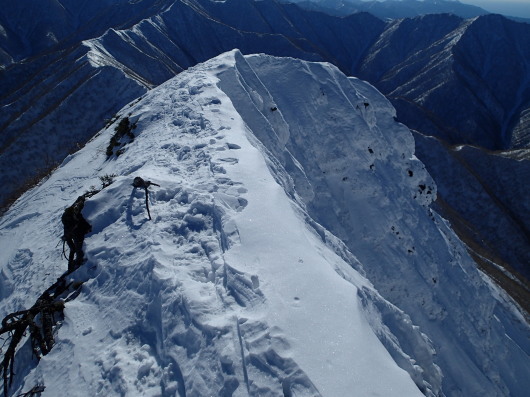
column 235, row 287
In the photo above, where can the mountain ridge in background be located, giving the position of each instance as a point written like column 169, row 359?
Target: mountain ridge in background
column 398, row 9
column 395, row 9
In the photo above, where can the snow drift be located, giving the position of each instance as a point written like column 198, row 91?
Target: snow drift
column 292, row 252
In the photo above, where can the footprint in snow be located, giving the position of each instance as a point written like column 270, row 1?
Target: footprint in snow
column 229, row 160
column 242, row 204
column 212, row 101
column 217, row 169
column 232, row 201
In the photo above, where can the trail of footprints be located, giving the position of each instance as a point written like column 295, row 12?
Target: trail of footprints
column 249, row 357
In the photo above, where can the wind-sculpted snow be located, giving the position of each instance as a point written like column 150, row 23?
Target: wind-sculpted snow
column 229, row 290
column 284, row 188
column 352, row 173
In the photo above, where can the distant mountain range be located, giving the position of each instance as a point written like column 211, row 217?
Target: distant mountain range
column 69, row 66
column 397, row 9
column 393, row 9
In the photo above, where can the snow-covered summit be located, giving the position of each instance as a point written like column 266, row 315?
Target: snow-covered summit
column 292, row 252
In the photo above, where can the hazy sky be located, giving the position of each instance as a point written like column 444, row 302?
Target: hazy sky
column 517, row 8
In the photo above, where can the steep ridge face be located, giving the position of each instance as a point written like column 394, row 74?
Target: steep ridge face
column 467, row 63
column 276, row 212
column 418, row 274
column 232, row 289
column 508, row 94
column 392, row 50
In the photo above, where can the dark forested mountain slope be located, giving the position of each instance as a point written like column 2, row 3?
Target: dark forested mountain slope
column 468, row 86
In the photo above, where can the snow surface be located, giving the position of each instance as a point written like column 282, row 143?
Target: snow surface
column 363, row 184
column 236, row 287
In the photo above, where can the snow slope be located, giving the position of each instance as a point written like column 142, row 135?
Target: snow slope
column 31, row 28
column 291, row 222
column 68, row 88
column 369, row 190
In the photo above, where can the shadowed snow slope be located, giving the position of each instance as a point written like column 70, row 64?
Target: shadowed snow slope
column 292, row 252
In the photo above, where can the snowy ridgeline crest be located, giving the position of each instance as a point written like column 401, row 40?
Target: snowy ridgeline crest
column 83, row 61
column 291, row 251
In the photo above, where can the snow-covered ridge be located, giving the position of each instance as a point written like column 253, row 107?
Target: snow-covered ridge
column 291, row 252
column 422, row 267
column 63, row 96
column 209, row 298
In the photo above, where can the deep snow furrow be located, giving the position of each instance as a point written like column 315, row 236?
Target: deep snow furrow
column 243, row 359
